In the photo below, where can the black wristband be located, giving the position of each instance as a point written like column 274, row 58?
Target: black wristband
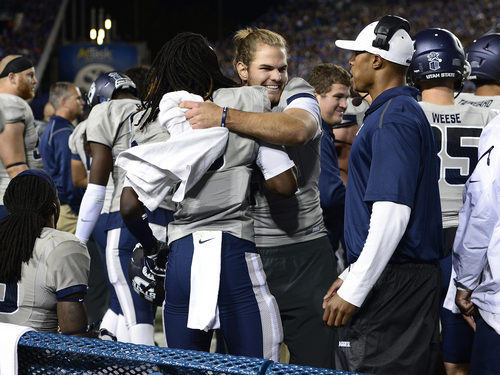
column 14, row 164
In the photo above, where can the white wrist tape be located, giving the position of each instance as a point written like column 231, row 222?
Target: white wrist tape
column 90, row 209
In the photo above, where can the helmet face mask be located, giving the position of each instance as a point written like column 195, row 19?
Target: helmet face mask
column 103, row 88
column 437, row 54
column 484, row 57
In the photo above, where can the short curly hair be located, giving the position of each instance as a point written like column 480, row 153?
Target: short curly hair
column 323, row 76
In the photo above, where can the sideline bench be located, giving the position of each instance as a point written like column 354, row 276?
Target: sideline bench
column 48, row 353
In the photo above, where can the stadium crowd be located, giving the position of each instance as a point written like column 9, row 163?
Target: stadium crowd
column 311, row 26
column 267, row 239
column 25, row 27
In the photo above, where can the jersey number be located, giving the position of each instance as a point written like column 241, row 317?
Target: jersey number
column 456, row 150
column 9, row 295
column 36, row 154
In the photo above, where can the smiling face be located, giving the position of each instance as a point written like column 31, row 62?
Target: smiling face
column 333, row 104
column 268, row 68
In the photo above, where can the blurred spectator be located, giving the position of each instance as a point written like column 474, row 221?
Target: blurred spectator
column 26, row 27
column 41, row 125
column 56, row 155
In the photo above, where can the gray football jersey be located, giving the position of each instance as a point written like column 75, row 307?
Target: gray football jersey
column 2, row 121
column 280, row 221
column 108, row 124
column 219, row 200
column 457, row 129
column 15, row 109
column 75, row 141
column 491, row 102
column 76, row 145
column 60, row 264
column 144, row 134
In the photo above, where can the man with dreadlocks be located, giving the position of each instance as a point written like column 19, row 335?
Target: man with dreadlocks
column 43, row 271
column 225, row 288
column 19, row 139
column 290, row 234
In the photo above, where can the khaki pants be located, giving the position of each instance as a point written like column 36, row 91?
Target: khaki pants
column 67, row 219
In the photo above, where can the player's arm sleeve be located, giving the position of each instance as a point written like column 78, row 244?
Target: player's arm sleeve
column 90, row 209
column 471, row 244
column 100, row 127
column 68, row 272
column 478, row 221
column 311, row 106
column 100, row 134
column 278, row 169
column 273, row 160
column 388, row 224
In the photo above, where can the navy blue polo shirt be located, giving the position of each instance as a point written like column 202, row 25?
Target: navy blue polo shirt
column 393, row 158
column 331, row 188
column 56, row 157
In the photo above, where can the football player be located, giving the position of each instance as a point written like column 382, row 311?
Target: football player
column 438, row 69
column 211, row 214
column 113, row 101
column 19, row 139
column 484, row 58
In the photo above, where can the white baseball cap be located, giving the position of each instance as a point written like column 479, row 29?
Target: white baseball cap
column 400, row 45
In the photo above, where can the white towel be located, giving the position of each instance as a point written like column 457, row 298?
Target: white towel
column 171, row 116
column 11, row 334
column 153, row 169
column 205, row 280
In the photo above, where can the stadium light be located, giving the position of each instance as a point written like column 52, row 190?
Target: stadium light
column 101, row 26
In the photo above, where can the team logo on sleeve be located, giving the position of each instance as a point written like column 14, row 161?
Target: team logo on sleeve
column 434, row 60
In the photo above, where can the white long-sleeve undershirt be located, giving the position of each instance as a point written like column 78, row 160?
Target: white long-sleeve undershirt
column 388, row 224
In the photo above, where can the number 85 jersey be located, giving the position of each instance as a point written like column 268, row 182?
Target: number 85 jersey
column 457, row 129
